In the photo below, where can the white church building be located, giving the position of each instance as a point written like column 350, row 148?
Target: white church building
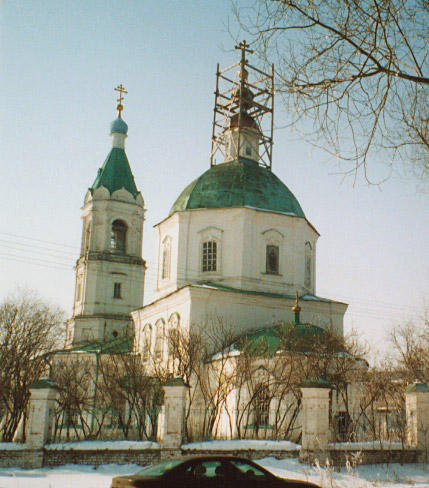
column 236, row 243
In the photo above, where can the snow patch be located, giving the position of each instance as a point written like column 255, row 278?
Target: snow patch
column 12, row 446
column 100, row 445
column 242, row 445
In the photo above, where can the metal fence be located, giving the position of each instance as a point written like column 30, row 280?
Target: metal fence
column 104, row 424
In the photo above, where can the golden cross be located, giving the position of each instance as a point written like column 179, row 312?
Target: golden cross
column 121, row 90
column 244, row 48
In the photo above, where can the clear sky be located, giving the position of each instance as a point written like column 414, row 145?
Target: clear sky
column 59, row 64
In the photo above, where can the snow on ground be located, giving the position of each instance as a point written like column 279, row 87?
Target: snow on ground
column 102, row 445
column 242, row 445
column 376, row 475
column 380, row 476
column 12, row 446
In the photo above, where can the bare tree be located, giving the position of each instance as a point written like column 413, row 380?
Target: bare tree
column 356, row 69
column 270, row 373
column 411, row 349
column 29, row 329
column 76, row 415
column 201, row 358
column 132, row 395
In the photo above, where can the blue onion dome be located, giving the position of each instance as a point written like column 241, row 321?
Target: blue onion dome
column 119, row 126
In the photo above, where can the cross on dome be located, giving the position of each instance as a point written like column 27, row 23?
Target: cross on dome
column 243, row 46
column 121, row 90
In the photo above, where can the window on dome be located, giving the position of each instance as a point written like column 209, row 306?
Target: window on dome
column 272, row 259
column 209, row 256
column 248, row 150
column 118, row 237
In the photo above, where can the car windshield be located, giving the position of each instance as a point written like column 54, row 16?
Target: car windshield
column 157, row 470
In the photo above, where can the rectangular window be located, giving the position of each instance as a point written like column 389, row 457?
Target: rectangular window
column 272, row 266
column 248, row 150
column 209, row 256
column 117, row 290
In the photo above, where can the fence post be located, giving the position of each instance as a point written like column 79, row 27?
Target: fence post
column 43, row 394
column 41, row 406
column 175, row 395
column 417, row 413
column 315, row 421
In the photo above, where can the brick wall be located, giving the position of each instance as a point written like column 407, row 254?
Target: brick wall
column 28, row 459
column 96, row 457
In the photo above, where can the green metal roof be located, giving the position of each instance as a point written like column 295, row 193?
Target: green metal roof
column 122, row 345
column 241, row 183
column 220, row 287
column 43, row 383
column 424, row 387
column 115, row 173
column 267, row 341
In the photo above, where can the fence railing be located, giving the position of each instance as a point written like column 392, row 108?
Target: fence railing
column 104, row 424
column 202, row 424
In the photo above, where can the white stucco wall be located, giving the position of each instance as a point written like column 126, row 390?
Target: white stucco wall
column 242, row 235
column 97, row 313
column 202, row 306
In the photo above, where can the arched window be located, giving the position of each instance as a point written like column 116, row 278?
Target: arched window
column 160, row 339
column 147, row 339
column 166, row 258
column 209, row 262
column 261, row 404
column 308, row 264
column 272, row 259
column 173, row 334
column 118, row 236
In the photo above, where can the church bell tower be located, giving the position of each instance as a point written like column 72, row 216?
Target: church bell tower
column 110, row 270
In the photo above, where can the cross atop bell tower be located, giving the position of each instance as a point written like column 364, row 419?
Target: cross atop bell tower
column 121, row 90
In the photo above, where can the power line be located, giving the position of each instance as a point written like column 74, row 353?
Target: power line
column 196, row 274
column 30, row 262
column 151, row 275
column 39, row 240
column 23, row 244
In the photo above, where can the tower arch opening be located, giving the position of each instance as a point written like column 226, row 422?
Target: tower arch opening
column 118, row 237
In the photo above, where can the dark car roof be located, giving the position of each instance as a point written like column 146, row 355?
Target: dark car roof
column 203, row 457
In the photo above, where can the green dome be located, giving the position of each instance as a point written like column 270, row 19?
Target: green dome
column 239, row 184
